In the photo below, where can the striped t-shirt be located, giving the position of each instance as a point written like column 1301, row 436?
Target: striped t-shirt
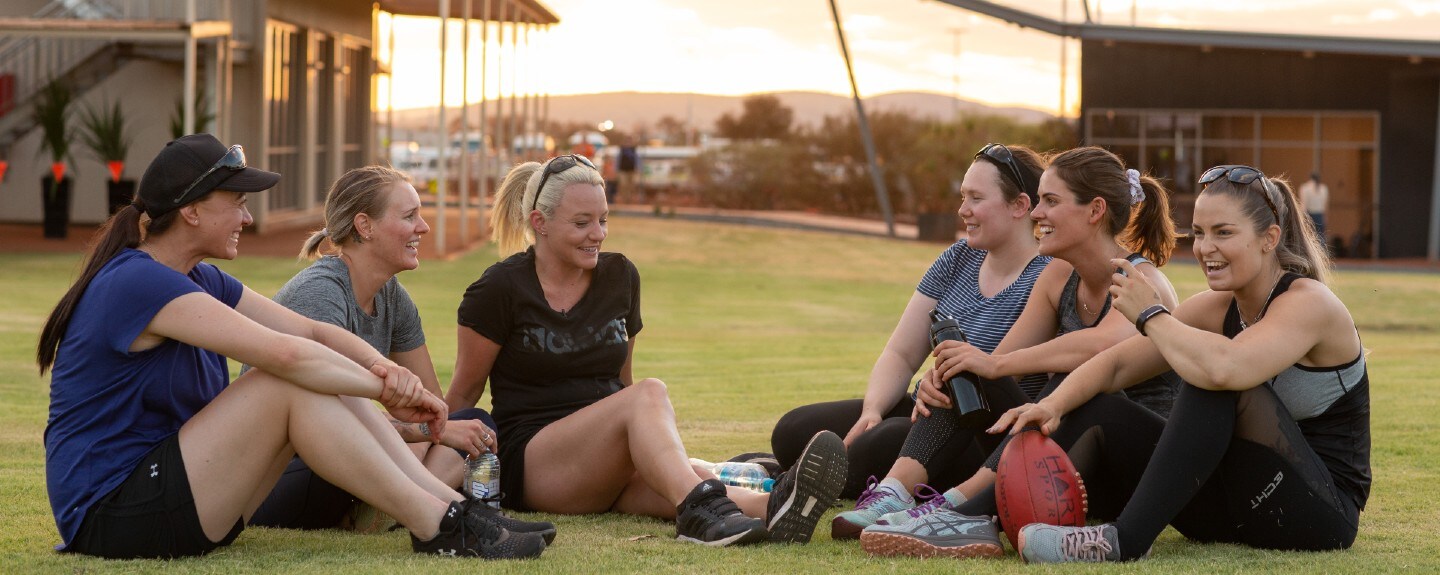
column 954, row 282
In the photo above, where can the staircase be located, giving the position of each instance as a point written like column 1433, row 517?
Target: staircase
column 28, row 62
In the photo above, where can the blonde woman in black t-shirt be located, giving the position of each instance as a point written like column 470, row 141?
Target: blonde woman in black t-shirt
column 552, row 329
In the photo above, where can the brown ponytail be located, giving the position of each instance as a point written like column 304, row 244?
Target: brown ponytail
column 121, row 231
column 1151, row 231
column 1145, row 227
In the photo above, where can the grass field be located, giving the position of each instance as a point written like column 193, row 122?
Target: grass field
column 743, row 324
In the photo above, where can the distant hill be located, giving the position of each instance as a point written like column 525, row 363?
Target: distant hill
column 632, row 108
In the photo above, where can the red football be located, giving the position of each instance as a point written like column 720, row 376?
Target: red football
column 1036, row 483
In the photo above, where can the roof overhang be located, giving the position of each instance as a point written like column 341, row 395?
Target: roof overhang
column 127, row 30
column 521, row 11
column 1205, row 38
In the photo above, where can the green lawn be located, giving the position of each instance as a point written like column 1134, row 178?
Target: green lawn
column 743, row 324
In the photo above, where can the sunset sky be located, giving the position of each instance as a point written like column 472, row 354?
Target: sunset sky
column 748, row 46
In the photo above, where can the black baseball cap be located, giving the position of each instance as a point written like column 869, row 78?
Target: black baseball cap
column 189, row 167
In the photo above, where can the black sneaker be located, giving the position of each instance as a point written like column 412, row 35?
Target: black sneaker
column 807, row 490
column 708, row 517
column 481, row 507
column 465, row 534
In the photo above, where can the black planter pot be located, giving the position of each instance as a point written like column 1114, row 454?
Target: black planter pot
column 55, row 198
column 120, row 194
column 937, row 227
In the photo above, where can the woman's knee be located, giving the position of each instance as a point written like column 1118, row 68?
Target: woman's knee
column 650, row 395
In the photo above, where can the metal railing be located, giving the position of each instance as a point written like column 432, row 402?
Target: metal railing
column 27, row 63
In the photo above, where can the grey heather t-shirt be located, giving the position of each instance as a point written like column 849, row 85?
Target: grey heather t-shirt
column 322, row 292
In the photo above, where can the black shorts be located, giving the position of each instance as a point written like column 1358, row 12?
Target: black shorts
column 151, row 515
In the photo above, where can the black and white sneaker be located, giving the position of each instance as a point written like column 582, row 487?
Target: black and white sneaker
column 708, row 517
column 807, row 490
column 482, row 508
column 465, row 534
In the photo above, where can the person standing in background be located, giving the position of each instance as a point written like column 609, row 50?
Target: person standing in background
column 1315, row 197
column 628, row 165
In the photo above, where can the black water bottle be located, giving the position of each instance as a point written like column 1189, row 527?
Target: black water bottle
column 970, row 405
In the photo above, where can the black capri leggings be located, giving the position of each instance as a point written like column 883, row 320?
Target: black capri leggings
column 871, row 454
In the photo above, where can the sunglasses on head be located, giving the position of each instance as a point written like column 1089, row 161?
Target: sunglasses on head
column 1242, row 175
column 1001, row 155
column 233, row 160
column 556, row 165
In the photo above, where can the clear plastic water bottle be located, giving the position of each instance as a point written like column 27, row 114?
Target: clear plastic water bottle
column 482, row 478
column 739, row 474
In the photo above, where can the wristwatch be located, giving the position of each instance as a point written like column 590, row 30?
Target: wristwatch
column 1145, row 316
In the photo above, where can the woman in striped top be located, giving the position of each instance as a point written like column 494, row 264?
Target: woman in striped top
column 983, row 281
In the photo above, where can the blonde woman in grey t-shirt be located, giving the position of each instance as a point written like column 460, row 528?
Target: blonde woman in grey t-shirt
column 374, row 224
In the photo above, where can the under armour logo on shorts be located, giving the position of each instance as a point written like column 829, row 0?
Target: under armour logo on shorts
column 154, row 470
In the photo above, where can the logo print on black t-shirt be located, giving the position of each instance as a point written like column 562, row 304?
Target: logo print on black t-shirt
column 537, row 339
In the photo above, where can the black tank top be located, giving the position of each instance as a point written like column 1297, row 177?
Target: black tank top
column 1330, row 404
column 1157, row 393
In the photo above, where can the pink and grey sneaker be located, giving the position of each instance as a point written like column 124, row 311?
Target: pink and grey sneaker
column 877, row 500
column 934, row 501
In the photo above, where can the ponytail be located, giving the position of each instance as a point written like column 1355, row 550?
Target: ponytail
column 311, row 248
column 119, row 232
column 508, row 222
column 1139, row 221
column 1151, row 231
column 1299, row 250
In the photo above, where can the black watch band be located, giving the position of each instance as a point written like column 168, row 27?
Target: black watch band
column 1145, row 316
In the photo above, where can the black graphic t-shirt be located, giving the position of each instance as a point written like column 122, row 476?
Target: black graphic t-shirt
column 551, row 364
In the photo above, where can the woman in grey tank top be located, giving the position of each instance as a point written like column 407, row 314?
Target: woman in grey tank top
column 1269, row 444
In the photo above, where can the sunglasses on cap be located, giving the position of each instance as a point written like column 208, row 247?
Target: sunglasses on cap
column 233, row 160
column 556, row 165
column 1001, row 155
column 1243, row 175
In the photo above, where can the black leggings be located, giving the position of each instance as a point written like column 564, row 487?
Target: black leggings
column 1228, row 467
column 871, row 454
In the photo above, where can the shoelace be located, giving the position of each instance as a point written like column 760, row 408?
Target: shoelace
column 870, row 495
column 933, row 500
column 472, row 522
column 1085, row 544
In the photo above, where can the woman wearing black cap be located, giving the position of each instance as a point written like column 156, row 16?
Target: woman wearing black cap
column 152, row 452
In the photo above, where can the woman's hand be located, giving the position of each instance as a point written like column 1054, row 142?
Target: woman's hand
column 405, row 397
column 867, row 421
column 399, row 386
column 1131, row 292
column 929, row 392
column 953, row 357
column 1036, row 414
column 470, row 435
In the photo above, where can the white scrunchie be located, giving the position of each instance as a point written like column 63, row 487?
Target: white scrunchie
column 1137, row 194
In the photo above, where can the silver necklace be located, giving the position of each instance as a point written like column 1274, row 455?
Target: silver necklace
column 1265, row 306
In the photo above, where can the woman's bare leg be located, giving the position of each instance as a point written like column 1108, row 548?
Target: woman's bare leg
column 628, row 435
column 235, row 448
